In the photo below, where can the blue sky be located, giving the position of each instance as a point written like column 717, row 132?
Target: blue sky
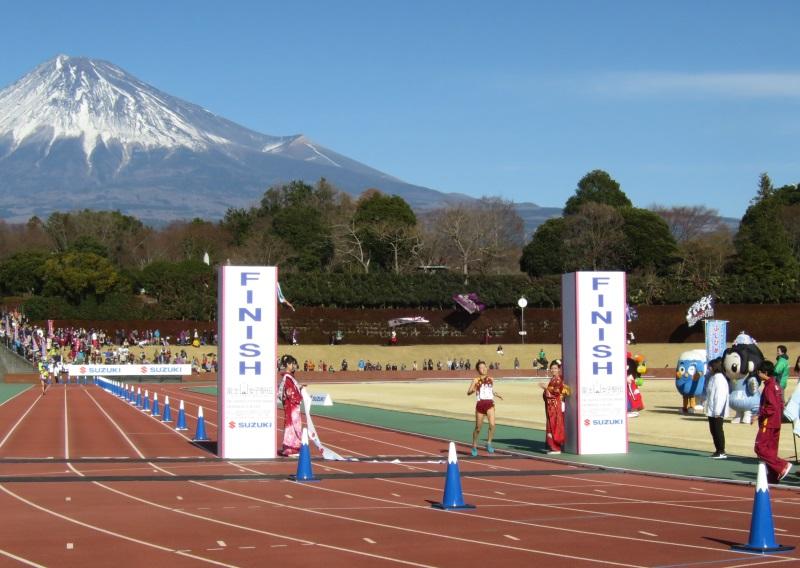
column 683, row 103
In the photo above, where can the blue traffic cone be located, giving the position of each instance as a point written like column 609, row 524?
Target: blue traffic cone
column 146, row 400
column 139, row 403
column 762, row 531
column 453, row 497
column 156, row 409
column 304, row 472
column 132, row 397
column 200, row 433
column 167, row 416
column 181, row 425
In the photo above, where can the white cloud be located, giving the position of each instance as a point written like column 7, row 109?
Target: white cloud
column 734, row 85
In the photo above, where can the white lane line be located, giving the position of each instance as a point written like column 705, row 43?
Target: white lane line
column 278, row 545
column 114, row 423
column 369, row 540
column 108, row 532
column 20, row 559
column 645, row 533
column 66, row 429
column 510, row 537
column 246, row 547
column 539, row 525
column 301, row 541
column 564, row 508
column 156, row 468
column 66, row 437
column 600, row 491
column 423, row 532
column 17, row 423
column 627, row 500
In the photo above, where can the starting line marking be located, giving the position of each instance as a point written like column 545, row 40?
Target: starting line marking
column 510, row 537
column 647, row 533
column 221, row 543
column 369, row 540
column 70, row 546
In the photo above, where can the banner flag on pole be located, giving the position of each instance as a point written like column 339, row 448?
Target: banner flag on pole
column 716, row 334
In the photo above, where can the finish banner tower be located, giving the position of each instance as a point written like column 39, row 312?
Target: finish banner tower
column 595, row 362
column 246, row 383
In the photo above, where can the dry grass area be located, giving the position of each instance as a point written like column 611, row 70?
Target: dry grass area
column 660, row 423
column 656, row 354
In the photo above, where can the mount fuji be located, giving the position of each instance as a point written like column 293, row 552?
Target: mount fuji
column 81, row 133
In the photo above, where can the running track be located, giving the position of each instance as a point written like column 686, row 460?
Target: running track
column 88, row 480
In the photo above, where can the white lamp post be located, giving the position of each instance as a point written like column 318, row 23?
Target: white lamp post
column 522, row 302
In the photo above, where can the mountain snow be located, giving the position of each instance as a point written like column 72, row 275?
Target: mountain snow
column 78, row 132
column 99, row 103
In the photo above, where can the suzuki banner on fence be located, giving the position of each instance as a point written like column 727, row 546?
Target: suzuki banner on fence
column 129, row 370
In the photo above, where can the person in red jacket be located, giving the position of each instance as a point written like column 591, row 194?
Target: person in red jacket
column 291, row 397
column 769, row 424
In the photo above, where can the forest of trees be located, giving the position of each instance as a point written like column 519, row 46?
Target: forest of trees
column 336, row 251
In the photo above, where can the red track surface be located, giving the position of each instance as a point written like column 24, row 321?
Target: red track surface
column 192, row 509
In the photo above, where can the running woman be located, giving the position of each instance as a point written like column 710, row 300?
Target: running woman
column 44, row 376
column 483, row 388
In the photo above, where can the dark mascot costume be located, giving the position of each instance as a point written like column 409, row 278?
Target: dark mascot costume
column 739, row 362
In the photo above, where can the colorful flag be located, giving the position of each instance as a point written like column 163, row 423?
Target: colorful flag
column 403, row 321
column 716, row 332
column 701, row 309
column 470, row 302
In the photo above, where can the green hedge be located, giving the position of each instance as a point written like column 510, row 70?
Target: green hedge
column 383, row 290
column 113, row 306
column 433, row 291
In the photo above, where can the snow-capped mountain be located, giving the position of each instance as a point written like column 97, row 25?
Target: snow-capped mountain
column 82, row 133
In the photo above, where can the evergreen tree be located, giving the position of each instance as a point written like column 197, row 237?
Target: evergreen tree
column 598, row 187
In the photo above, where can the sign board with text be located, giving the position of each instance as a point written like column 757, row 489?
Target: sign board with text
column 129, row 370
column 247, row 378
column 595, row 362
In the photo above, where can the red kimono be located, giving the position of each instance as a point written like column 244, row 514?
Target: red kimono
column 769, row 429
column 292, row 425
column 554, row 414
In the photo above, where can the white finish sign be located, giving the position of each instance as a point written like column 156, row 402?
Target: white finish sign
column 247, row 378
column 595, row 368
column 129, row 370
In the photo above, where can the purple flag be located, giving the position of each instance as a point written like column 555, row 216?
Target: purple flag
column 470, row 302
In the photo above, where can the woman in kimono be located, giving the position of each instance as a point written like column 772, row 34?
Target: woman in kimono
column 291, row 397
column 554, row 408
